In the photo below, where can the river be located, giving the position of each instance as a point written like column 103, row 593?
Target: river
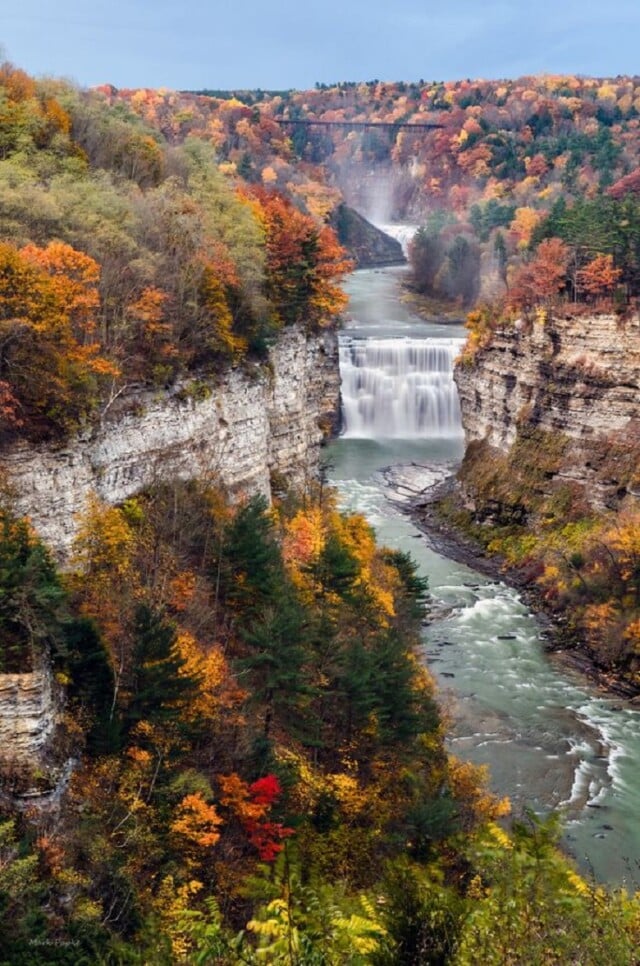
column 549, row 739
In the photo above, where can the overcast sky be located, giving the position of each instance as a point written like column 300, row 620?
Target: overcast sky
column 276, row 44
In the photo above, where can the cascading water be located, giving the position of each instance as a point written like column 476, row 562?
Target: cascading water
column 549, row 740
column 399, row 388
column 402, row 233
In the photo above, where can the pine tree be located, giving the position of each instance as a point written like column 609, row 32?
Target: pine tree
column 275, row 662
column 91, row 684
column 31, row 597
column 251, row 570
column 159, row 689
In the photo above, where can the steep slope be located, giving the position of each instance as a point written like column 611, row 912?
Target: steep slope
column 550, row 480
column 243, row 428
column 578, row 379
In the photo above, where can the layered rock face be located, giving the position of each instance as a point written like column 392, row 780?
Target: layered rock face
column 366, row 244
column 27, row 714
column 240, row 430
column 577, row 378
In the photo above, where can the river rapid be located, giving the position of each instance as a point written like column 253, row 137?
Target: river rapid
column 549, row 739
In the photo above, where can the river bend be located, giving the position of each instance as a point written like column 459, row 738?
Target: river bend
column 549, row 740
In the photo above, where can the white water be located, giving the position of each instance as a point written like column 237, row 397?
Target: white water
column 399, row 388
column 402, row 233
column 549, row 740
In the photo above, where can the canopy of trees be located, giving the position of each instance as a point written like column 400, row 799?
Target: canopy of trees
column 125, row 259
column 261, row 771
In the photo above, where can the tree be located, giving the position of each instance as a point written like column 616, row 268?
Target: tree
column 304, row 263
column 159, row 690
column 53, row 378
column 500, row 253
column 91, row 685
column 251, row 568
column 31, row 599
column 426, row 255
column 274, row 663
column 599, row 277
column 539, row 281
column 461, row 276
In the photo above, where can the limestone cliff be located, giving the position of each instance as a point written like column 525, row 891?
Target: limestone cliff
column 27, row 713
column 576, row 381
column 243, row 428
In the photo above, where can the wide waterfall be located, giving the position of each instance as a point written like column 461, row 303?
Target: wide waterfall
column 399, row 387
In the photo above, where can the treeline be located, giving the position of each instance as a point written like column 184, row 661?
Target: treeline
column 582, row 257
column 126, row 260
column 505, row 154
column 260, row 771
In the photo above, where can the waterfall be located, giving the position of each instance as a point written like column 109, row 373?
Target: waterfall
column 401, row 233
column 401, row 388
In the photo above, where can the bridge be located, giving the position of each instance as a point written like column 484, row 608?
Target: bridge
column 360, row 125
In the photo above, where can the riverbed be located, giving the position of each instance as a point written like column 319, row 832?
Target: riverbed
column 549, row 739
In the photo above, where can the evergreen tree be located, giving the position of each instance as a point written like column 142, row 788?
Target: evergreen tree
column 414, row 595
column 31, row 597
column 160, row 689
column 275, row 663
column 251, row 569
column 402, row 712
column 91, row 684
column 500, row 253
column 336, row 568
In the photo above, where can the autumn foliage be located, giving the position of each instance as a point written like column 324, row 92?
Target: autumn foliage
column 255, row 756
column 114, row 272
column 539, row 281
column 188, row 830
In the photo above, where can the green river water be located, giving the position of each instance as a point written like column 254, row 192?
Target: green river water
column 549, row 739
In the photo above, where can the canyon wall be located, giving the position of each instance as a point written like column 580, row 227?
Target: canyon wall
column 574, row 380
column 250, row 424
column 27, row 713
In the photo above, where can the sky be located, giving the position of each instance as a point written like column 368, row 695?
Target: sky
column 278, row 44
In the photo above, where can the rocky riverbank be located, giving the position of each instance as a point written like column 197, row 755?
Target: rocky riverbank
column 421, row 491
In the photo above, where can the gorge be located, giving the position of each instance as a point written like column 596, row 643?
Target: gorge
column 551, row 741
column 242, row 428
column 243, row 714
column 548, row 741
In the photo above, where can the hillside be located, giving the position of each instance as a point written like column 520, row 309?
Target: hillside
column 220, row 742
column 125, row 261
column 502, row 155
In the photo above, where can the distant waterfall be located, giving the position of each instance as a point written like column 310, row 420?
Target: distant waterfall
column 401, row 233
column 400, row 388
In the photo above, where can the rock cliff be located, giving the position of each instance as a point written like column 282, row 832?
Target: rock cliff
column 575, row 380
column 248, row 427
column 27, row 713
column 244, row 428
column 366, row 244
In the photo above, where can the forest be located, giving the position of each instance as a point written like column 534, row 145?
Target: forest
column 258, row 763
column 502, row 158
column 125, row 261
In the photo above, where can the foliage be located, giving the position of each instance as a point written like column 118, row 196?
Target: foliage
column 445, row 268
column 127, row 260
column 262, row 775
column 584, row 563
column 31, row 599
column 340, row 832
